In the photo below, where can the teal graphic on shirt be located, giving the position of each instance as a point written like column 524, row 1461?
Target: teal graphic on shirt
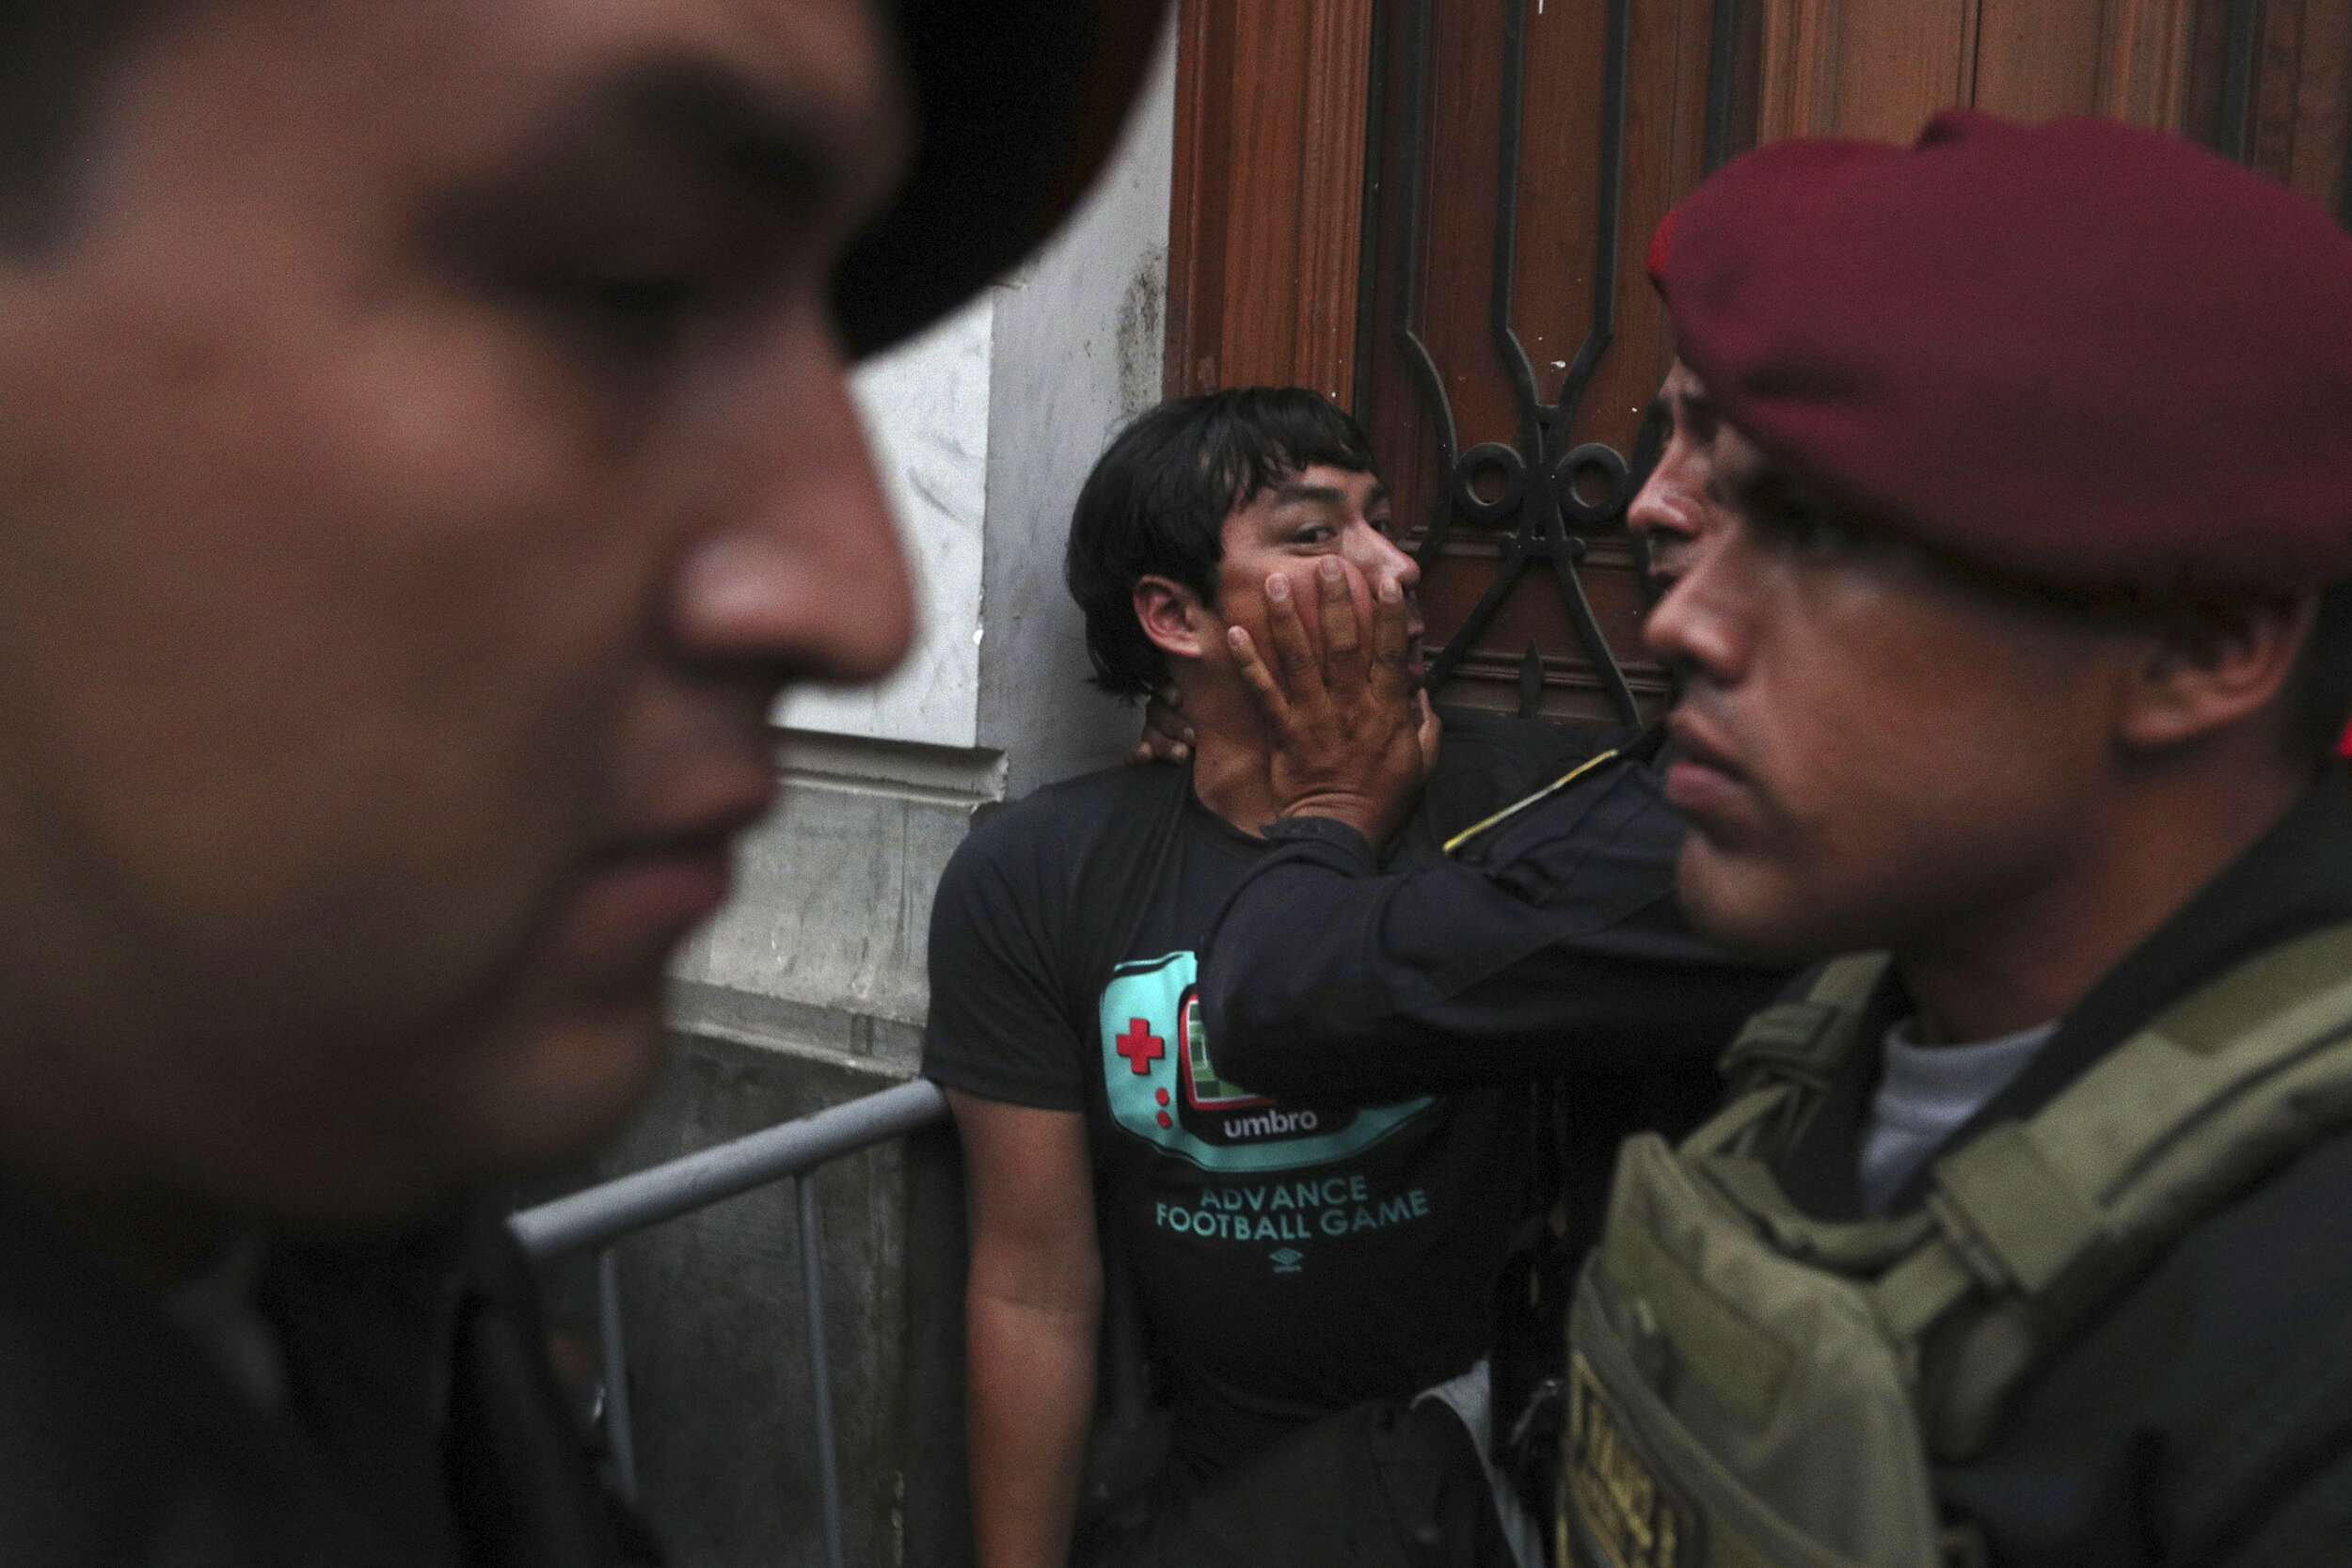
column 1164, row 1088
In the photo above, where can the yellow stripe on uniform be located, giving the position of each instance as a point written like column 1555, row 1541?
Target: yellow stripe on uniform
column 1517, row 806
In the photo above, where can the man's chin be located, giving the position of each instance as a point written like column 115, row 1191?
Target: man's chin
column 555, row 1096
column 531, row 1103
column 1741, row 908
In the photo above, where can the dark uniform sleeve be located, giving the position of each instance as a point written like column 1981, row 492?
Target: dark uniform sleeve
column 1554, row 942
column 999, row 1025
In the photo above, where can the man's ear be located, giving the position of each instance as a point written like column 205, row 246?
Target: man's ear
column 2215, row 668
column 1172, row 616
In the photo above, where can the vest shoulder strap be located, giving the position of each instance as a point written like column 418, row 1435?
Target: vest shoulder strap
column 1783, row 1058
column 1805, row 1040
column 2039, row 1222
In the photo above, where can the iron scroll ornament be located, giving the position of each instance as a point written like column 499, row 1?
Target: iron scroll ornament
column 1545, row 516
column 1547, row 498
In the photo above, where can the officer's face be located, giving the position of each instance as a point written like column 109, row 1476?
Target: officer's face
column 421, row 463
column 1672, row 516
column 1874, row 752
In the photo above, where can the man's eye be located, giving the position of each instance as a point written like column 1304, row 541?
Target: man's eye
column 1793, row 528
column 1805, row 528
column 1321, row 534
column 639, row 315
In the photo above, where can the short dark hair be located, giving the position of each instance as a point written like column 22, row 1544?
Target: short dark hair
column 1157, row 503
column 54, row 54
column 2318, row 701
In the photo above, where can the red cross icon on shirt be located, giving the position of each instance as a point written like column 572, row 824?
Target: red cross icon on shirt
column 1139, row 1046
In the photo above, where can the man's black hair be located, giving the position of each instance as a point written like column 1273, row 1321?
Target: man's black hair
column 2319, row 692
column 1157, row 503
column 54, row 55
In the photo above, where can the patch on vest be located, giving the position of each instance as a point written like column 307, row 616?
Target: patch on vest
column 1164, row 1088
column 1629, row 1519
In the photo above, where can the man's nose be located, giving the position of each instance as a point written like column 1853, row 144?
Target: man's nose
column 1694, row 628
column 1665, row 503
column 1385, row 560
column 802, row 569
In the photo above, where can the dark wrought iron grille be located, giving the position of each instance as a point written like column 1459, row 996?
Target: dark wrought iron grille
column 1541, row 508
column 2231, row 137
column 1536, row 489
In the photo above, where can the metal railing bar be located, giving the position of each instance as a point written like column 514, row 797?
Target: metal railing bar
column 603, row 1215
column 820, row 1372
column 618, row 1432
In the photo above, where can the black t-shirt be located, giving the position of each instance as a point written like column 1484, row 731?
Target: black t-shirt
column 1290, row 1259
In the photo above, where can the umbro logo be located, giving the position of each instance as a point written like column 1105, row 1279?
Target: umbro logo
column 1287, row 1260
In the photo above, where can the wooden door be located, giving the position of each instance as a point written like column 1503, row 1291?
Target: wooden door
column 1472, row 284
column 1526, row 151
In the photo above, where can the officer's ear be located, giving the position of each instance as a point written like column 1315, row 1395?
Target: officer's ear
column 1172, row 616
column 2212, row 665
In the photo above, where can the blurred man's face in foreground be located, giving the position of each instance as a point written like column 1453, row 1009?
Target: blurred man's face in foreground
column 424, row 455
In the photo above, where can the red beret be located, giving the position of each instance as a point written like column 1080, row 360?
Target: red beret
column 2083, row 352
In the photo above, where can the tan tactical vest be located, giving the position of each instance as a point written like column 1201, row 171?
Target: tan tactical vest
column 1750, row 1386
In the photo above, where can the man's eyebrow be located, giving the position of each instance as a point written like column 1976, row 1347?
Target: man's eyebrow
column 1325, row 495
column 752, row 141
column 1295, row 492
column 717, row 123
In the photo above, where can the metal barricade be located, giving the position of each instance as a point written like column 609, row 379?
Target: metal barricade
column 600, row 1216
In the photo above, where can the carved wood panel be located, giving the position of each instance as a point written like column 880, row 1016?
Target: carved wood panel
column 1526, row 152
column 2292, row 118
column 1459, row 253
column 1268, row 188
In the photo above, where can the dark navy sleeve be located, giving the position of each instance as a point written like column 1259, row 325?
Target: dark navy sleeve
column 1554, row 944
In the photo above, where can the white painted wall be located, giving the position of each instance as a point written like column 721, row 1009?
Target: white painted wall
column 1077, row 351
column 984, row 429
column 926, row 412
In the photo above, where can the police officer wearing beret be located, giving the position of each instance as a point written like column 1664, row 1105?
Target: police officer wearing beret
column 2011, row 498
column 425, row 453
